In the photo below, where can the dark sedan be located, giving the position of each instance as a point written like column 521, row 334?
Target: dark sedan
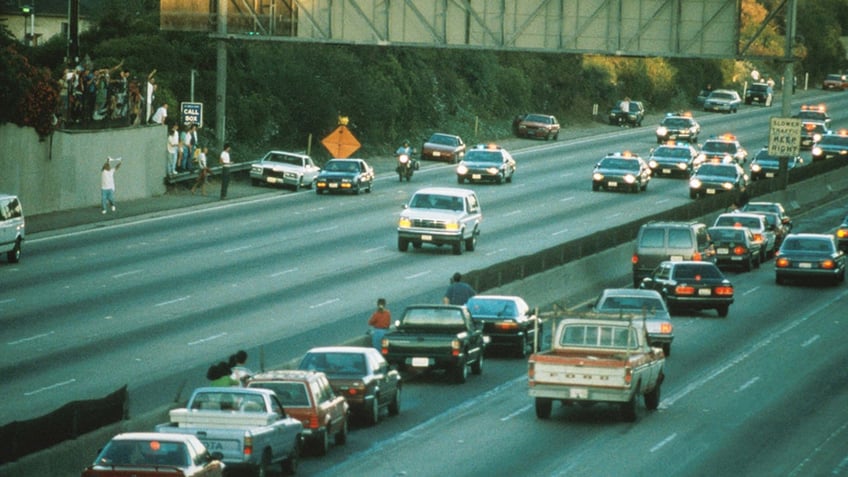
column 672, row 159
column 736, row 247
column 508, row 322
column 711, row 179
column 691, row 285
column 621, row 171
column 490, row 163
column 361, row 375
column 809, row 257
column 632, row 117
column 345, row 175
column 831, row 145
column 443, row 147
column 842, row 235
column 636, row 304
column 765, row 166
column 812, row 132
column 678, row 127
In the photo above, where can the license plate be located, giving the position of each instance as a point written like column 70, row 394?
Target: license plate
column 711, row 191
column 805, row 265
column 272, row 180
column 769, row 174
column 666, row 171
column 420, row 362
column 676, row 258
column 476, row 176
column 436, row 153
column 578, row 393
column 427, row 238
column 705, row 292
column 333, row 186
column 612, row 184
column 722, row 250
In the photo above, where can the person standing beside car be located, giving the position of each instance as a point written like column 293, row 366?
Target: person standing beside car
column 458, row 292
column 379, row 322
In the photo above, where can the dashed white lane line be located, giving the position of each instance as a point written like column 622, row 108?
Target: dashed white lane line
column 29, row 338
column 663, row 442
column 52, row 386
column 207, row 339
column 171, row 302
column 324, row 303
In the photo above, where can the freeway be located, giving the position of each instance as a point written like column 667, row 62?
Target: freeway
column 153, row 303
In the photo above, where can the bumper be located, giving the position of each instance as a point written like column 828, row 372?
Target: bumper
column 577, row 393
column 436, row 237
column 671, row 170
column 535, row 133
column 424, row 362
column 480, row 176
column 812, row 274
column 697, row 303
column 284, row 180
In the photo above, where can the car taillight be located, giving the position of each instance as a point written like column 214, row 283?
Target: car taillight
column 684, row 290
column 506, row 325
column 842, row 233
column 696, row 256
column 781, row 262
column 724, row 290
column 628, row 375
column 666, row 328
column 313, row 422
column 828, row 264
column 248, row 444
column 455, row 347
column 758, row 237
column 739, row 250
column 634, row 259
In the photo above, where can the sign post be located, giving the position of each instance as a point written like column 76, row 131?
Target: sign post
column 784, row 142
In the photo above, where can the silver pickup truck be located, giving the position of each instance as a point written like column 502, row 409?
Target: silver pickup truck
column 248, row 426
column 441, row 216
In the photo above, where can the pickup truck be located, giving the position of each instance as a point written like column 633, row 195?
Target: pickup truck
column 441, row 216
column 150, row 454
column 595, row 360
column 248, row 426
column 436, row 337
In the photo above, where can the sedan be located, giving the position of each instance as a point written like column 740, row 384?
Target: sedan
column 508, row 322
column 149, row 453
column 810, row 257
column 831, row 145
column 775, row 207
column 678, row 127
column 758, row 225
column 543, row 126
column 711, row 179
column 636, row 304
column 361, row 375
column 489, row 162
column 736, row 247
column 812, row 132
column 345, row 175
column 443, row 147
column 621, row 171
column 691, row 285
column 672, row 159
column 766, row 166
column 723, row 100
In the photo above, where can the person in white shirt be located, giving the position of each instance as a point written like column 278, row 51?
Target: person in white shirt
column 224, row 159
column 173, row 149
column 160, row 114
column 107, row 185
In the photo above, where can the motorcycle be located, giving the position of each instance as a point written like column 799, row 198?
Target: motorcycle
column 406, row 165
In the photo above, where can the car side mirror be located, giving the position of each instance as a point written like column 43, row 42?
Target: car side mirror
column 646, row 282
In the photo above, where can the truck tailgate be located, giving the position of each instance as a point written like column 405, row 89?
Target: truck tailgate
column 585, row 370
column 229, row 442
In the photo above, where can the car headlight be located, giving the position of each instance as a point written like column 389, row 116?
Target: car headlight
column 653, row 164
column 629, row 178
column 404, row 222
column 682, row 166
column 662, row 131
column 461, row 169
column 695, row 183
column 816, row 137
column 597, row 176
column 817, row 151
column 256, row 169
column 492, row 170
column 727, row 185
column 756, row 167
column 452, row 226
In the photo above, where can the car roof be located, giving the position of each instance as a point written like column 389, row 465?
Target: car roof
column 7, row 196
column 497, row 297
column 636, row 292
column 741, row 214
column 153, row 436
column 286, row 375
column 287, row 153
column 341, row 349
column 451, row 191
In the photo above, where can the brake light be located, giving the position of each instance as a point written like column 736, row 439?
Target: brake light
column 628, row 375
column 684, row 290
column 634, row 259
column 455, row 347
column 666, row 328
column 356, row 388
column 506, row 325
column 697, row 256
column 248, row 444
column 781, row 262
column 723, row 290
column 828, row 264
column 313, row 422
column 739, row 250
column 758, row 237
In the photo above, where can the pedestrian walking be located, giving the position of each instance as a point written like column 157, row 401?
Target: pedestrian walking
column 224, row 159
column 379, row 323
column 458, row 292
column 204, row 171
column 107, row 184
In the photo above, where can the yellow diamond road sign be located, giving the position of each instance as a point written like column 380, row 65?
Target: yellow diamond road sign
column 341, row 143
column 784, row 137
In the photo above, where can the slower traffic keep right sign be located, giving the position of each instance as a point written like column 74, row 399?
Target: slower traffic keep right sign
column 784, row 137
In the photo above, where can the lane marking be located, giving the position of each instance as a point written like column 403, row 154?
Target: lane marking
column 277, row 274
column 663, row 442
column 324, row 303
column 327, row 229
column 810, row 341
column 126, row 274
column 566, row 199
column 205, row 340
column 7, row 300
column 514, row 212
column 48, row 388
column 752, row 290
column 237, row 249
column 375, row 249
column 560, row 232
column 171, row 302
column 747, row 384
column 496, row 252
column 29, row 338
column 520, row 411
column 417, row 275
column 817, row 449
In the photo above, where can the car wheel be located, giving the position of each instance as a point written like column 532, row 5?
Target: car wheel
column 322, row 443
column 417, row 244
column 471, row 243
column 722, row 310
column 341, row 436
column 595, row 187
column 256, row 182
column 523, row 347
column 372, row 415
column 544, row 407
column 394, row 406
column 14, row 255
column 499, row 180
column 628, row 409
column 477, row 366
column 263, row 469
column 666, row 347
column 652, row 399
column 292, row 462
column 403, row 244
column 460, row 372
column 556, row 136
column 693, row 194
column 779, row 280
column 457, row 247
column 748, row 265
column 370, row 185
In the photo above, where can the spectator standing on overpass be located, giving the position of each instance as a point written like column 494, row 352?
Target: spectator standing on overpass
column 160, row 115
column 173, row 148
column 458, row 292
column 379, row 322
column 224, row 159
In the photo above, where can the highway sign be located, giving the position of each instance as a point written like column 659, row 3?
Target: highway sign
column 784, row 137
column 191, row 113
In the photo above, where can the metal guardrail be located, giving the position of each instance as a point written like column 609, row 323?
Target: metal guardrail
column 182, row 177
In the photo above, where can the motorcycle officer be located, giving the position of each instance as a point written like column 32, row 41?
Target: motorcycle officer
column 404, row 169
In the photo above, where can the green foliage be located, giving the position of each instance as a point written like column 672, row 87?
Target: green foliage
column 820, row 25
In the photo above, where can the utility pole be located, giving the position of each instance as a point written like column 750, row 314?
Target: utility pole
column 221, row 76
column 788, row 82
column 73, row 32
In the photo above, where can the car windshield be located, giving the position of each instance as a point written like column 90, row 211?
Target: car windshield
column 764, row 157
column 721, row 147
column 755, row 207
column 435, row 201
column 443, row 139
column 341, row 166
column 810, row 114
column 753, row 223
column 676, row 123
column 486, row 156
column 807, row 244
column 335, row 363
column 813, row 128
column 143, row 452
column 717, row 170
column 721, row 95
column 538, row 118
column 758, row 87
column 632, row 303
column 834, row 77
column 696, row 272
column 676, row 152
column 619, row 164
column 491, row 308
column 290, row 393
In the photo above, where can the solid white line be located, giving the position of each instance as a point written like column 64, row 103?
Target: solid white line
column 663, row 442
column 125, row 274
column 747, row 384
column 52, row 386
column 30, row 338
column 204, row 340
column 752, row 290
column 328, row 302
column 171, row 302
column 417, row 275
column 277, row 274
column 520, row 411
column 563, row 231
column 237, row 249
column 810, row 341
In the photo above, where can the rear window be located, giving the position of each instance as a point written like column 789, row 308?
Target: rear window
column 596, row 336
column 695, row 272
column 290, row 393
column 652, row 238
column 679, row 238
column 433, row 317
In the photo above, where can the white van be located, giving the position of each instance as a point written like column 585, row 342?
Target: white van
column 11, row 227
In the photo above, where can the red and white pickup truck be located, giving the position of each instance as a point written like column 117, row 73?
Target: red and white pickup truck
column 597, row 360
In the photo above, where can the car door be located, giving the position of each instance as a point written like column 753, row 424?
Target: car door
column 331, row 408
